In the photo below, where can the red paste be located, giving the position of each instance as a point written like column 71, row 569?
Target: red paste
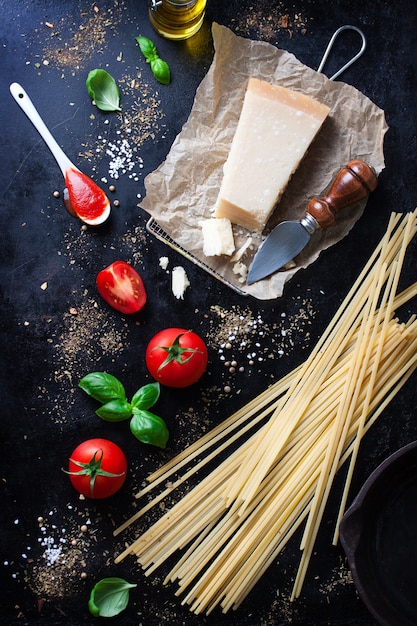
column 87, row 200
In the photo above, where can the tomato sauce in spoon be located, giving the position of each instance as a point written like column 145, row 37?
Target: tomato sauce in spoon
column 86, row 199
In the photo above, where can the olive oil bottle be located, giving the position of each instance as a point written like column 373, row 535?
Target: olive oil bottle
column 176, row 19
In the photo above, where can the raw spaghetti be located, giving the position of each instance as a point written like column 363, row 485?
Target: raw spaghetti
column 294, row 437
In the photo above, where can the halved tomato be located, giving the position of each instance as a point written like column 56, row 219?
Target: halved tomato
column 121, row 286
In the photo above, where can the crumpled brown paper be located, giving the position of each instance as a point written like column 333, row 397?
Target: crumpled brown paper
column 183, row 190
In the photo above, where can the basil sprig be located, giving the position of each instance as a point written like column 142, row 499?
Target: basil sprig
column 109, row 391
column 103, row 89
column 109, row 597
column 160, row 68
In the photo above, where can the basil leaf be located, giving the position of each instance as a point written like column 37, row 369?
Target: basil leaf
column 102, row 88
column 160, row 68
column 146, row 396
column 109, row 597
column 115, row 411
column 102, row 387
column 161, row 71
column 149, row 428
column 147, row 48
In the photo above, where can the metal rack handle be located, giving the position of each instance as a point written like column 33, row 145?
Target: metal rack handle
column 330, row 46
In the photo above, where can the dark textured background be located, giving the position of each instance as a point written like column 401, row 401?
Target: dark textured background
column 43, row 414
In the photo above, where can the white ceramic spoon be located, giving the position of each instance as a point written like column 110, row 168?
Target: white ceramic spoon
column 86, row 200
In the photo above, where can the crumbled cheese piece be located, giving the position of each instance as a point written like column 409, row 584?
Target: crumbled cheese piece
column 163, row 262
column 242, row 270
column 180, row 282
column 217, row 237
column 274, row 131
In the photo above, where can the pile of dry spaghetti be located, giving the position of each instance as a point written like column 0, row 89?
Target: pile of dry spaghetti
column 295, row 436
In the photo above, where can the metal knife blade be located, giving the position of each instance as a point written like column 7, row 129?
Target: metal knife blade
column 353, row 183
column 283, row 244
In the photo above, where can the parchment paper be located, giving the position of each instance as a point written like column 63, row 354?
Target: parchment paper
column 183, row 190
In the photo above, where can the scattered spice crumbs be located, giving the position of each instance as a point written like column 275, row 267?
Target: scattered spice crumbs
column 340, row 577
column 244, row 341
column 70, row 44
column 268, row 20
column 141, row 118
column 135, row 241
column 86, row 328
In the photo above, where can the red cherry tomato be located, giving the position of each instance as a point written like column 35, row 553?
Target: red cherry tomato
column 176, row 357
column 121, row 286
column 97, row 468
column 85, row 199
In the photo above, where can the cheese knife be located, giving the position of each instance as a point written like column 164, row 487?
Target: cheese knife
column 353, row 183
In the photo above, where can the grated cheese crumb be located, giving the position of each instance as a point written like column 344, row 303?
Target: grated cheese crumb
column 180, row 282
column 242, row 270
column 163, row 262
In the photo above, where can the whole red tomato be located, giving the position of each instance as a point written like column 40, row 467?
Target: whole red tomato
column 121, row 286
column 97, row 468
column 176, row 357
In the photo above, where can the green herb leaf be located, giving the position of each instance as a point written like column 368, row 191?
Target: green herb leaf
column 149, row 428
column 160, row 68
column 102, row 387
column 146, row 396
column 109, row 597
column 102, row 88
column 108, row 390
column 115, row 411
column 161, row 71
column 147, row 48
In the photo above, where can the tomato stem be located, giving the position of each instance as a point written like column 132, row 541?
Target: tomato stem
column 92, row 469
column 175, row 352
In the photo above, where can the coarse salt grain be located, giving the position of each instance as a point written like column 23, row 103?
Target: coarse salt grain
column 122, row 160
column 52, row 552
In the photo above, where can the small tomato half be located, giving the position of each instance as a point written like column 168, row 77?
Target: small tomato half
column 121, row 287
column 97, row 468
column 176, row 357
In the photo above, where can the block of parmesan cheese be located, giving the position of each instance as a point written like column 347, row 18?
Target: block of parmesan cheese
column 275, row 129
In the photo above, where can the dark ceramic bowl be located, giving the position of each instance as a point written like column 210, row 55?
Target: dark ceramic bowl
column 379, row 535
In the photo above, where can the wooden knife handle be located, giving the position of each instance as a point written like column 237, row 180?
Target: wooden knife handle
column 353, row 183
